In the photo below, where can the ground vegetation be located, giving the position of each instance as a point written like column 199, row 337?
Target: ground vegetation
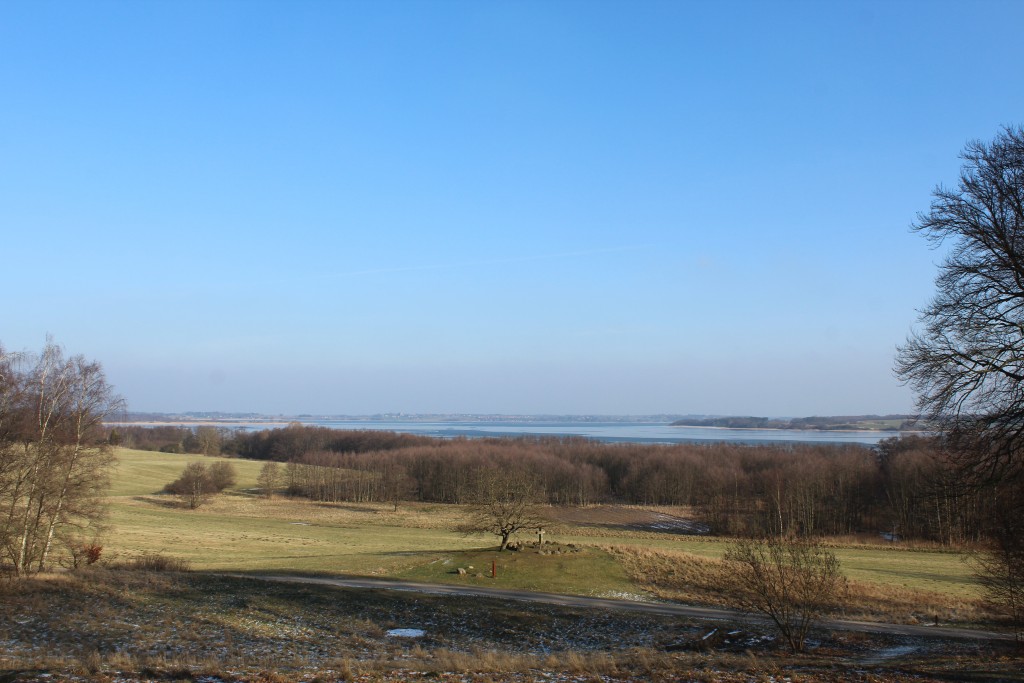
column 121, row 624
column 794, row 582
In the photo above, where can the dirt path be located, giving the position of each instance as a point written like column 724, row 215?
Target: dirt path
column 663, row 608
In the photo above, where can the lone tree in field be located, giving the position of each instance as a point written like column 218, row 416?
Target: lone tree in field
column 792, row 581
column 966, row 362
column 505, row 502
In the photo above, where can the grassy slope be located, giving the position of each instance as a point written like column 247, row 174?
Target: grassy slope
column 140, row 473
column 921, row 569
column 242, row 532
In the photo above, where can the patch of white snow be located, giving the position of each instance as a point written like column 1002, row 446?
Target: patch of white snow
column 406, row 633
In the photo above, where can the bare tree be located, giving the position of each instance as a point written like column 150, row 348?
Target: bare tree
column 269, row 479
column 208, row 440
column 198, row 482
column 194, row 485
column 792, row 581
column 505, row 501
column 966, row 363
column 396, row 484
column 222, row 475
column 56, row 457
column 999, row 565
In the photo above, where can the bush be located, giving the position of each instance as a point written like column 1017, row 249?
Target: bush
column 197, row 482
column 156, row 562
column 222, row 475
column 792, row 581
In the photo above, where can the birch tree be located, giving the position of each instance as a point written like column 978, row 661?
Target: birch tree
column 54, row 459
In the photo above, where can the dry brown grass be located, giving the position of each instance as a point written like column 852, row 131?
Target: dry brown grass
column 678, row 576
column 688, row 578
column 878, row 602
column 129, row 625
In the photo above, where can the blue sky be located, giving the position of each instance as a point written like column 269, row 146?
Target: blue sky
column 513, row 207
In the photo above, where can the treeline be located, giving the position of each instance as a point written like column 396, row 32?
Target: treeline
column 280, row 444
column 844, row 422
column 903, row 487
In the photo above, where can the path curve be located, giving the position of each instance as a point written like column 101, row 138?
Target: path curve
column 661, row 608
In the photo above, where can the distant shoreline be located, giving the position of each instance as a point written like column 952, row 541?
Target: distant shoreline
column 196, row 423
column 277, row 422
column 797, row 429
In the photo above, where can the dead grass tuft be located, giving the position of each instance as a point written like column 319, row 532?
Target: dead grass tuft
column 478, row 660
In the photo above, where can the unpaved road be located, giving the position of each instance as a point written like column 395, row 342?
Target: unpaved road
column 663, row 608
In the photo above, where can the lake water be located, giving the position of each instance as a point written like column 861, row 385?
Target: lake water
column 636, row 432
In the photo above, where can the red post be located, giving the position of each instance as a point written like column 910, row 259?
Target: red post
column 494, row 569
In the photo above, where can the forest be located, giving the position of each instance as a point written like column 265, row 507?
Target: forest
column 903, row 488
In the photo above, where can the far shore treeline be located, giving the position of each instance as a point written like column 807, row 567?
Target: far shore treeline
column 885, row 423
column 901, row 487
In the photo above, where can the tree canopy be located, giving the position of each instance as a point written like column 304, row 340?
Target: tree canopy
column 966, row 361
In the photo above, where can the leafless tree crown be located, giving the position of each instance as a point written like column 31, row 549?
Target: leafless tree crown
column 54, row 456
column 966, row 361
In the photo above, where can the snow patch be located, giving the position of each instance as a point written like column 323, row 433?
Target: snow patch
column 623, row 595
column 406, row 633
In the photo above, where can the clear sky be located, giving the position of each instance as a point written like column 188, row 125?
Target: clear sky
column 511, row 207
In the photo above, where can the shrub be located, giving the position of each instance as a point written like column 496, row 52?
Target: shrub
column 157, row 562
column 792, row 581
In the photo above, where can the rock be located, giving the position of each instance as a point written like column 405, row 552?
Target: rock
column 460, row 571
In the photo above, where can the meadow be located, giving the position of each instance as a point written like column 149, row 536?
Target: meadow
column 588, row 552
column 136, row 616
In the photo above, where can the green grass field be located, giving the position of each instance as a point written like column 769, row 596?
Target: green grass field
column 140, row 473
column 241, row 531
